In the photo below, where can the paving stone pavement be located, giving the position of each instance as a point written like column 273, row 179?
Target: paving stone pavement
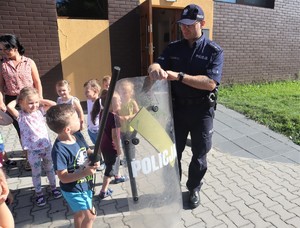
column 252, row 181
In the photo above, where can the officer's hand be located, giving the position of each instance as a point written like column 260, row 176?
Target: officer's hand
column 156, row 72
column 172, row 75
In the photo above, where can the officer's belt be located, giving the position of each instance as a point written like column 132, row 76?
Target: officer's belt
column 190, row 100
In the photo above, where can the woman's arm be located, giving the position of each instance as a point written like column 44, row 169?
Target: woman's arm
column 36, row 79
column 11, row 107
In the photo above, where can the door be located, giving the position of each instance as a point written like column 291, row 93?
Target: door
column 146, row 36
column 175, row 32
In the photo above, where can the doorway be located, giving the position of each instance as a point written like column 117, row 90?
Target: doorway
column 158, row 27
column 165, row 29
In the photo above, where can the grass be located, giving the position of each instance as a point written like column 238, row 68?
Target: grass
column 275, row 105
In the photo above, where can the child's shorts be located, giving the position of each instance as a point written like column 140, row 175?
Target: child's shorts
column 79, row 201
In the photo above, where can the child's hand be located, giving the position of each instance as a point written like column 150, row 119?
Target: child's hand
column 90, row 170
column 97, row 164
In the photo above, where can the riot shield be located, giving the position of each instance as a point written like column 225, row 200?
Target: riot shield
column 147, row 135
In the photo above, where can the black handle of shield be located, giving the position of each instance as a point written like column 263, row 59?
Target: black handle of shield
column 95, row 157
column 129, row 151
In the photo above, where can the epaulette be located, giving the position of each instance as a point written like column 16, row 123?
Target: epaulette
column 174, row 42
column 215, row 46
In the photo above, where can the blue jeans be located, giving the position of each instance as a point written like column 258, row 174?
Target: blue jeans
column 93, row 136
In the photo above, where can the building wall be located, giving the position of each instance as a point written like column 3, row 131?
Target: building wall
column 34, row 22
column 124, row 36
column 260, row 44
column 85, row 52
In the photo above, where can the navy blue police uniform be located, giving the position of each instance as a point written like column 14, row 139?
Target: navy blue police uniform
column 192, row 110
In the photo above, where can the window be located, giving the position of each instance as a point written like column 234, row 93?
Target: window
column 82, row 9
column 260, row 3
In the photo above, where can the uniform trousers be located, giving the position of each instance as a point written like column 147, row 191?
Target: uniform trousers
column 198, row 121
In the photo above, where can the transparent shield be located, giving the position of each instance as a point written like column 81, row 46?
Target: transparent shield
column 147, row 135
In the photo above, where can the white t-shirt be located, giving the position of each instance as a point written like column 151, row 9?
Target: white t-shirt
column 70, row 101
column 92, row 127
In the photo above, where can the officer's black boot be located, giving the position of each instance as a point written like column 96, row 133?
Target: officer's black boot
column 194, row 199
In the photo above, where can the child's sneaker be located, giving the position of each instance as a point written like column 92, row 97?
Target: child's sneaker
column 56, row 194
column 103, row 195
column 120, row 179
column 40, row 201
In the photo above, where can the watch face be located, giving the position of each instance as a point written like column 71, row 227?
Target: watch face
column 181, row 75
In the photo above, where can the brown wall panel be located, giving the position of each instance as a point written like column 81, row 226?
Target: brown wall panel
column 125, row 36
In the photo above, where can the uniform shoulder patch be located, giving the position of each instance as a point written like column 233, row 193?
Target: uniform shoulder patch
column 215, row 46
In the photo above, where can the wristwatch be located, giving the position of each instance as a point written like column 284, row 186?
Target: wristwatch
column 180, row 76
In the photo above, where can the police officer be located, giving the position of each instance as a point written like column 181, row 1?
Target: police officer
column 194, row 67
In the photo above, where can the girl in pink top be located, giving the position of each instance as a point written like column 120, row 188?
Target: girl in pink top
column 16, row 72
column 35, row 139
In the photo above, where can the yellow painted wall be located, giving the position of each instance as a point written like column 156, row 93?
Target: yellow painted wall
column 206, row 5
column 85, row 51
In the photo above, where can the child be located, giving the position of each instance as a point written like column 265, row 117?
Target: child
column 129, row 107
column 92, row 91
column 70, row 158
column 110, row 143
column 63, row 90
column 35, row 138
column 105, row 82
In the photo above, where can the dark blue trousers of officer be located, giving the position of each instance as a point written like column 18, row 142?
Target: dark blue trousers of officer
column 198, row 121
